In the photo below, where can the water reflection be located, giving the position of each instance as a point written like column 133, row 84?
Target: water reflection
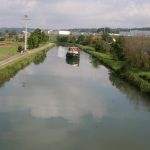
column 54, row 106
column 60, row 101
column 39, row 58
column 131, row 92
column 61, row 52
column 9, row 72
column 95, row 62
column 74, row 61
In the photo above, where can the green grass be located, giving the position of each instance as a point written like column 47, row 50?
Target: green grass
column 143, row 74
column 10, row 70
column 137, row 77
column 105, row 58
column 108, row 60
column 6, row 52
column 52, row 38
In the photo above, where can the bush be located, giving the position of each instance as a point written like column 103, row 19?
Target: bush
column 102, row 46
column 62, row 39
column 20, row 48
column 36, row 38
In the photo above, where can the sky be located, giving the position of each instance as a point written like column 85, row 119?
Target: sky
column 55, row 14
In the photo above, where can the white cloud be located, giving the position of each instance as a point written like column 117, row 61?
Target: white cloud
column 76, row 13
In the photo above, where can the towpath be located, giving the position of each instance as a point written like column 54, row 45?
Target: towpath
column 19, row 56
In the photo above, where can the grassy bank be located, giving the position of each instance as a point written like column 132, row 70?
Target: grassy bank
column 8, row 48
column 6, row 52
column 106, row 59
column 10, row 70
column 21, row 56
column 138, row 78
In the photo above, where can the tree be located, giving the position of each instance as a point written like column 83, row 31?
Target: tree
column 118, row 48
column 101, row 46
column 137, row 51
column 97, row 45
column 72, row 39
column 81, row 39
column 36, row 38
column 62, row 39
column 104, row 30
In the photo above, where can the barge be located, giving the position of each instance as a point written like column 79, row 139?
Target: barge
column 73, row 52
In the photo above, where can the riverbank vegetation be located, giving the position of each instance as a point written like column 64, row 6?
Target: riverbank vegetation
column 11, row 41
column 36, row 38
column 129, row 57
column 12, row 69
column 8, row 48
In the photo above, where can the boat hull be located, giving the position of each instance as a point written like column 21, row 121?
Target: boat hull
column 72, row 55
column 73, row 52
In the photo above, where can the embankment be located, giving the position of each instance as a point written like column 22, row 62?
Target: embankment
column 126, row 74
column 19, row 56
column 10, row 67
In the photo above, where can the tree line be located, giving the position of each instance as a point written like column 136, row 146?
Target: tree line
column 135, row 51
column 36, row 38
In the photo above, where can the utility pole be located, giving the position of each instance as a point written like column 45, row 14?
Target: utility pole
column 26, row 31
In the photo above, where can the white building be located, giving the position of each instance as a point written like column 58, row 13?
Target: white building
column 64, row 32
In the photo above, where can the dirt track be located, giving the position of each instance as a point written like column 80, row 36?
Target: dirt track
column 19, row 56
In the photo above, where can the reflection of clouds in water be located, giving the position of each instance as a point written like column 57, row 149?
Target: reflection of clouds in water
column 51, row 105
column 22, row 77
column 82, row 72
column 28, row 71
column 58, row 90
column 61, row 52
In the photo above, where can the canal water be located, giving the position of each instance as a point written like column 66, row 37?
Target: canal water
column 72, row 104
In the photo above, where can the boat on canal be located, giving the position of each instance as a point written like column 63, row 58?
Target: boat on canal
column 73, row 52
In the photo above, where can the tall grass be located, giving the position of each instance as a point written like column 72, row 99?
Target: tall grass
column 104, row 58
column 134, row 79
column 115, row 65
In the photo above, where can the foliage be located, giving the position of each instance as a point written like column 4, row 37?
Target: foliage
column 137, row 51
column 121, row 69
column 52, row 38
column 12, row 33
column 122, row 55
column 62, row 38
column 72, row 39
column 106, row 59
column 20, row 48
column 118, row 48
column 36, row 38
column 102, row 46
column 106, row 37
column 134, row 79
column 81, row 39
column 40, row 57
column 104, row 30
column 10, row 70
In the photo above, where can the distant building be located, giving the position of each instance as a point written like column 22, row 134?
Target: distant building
column 114, row 34
column 55, row 32
column 64, row 32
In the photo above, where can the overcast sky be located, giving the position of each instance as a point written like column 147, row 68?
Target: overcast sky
column 75, row 13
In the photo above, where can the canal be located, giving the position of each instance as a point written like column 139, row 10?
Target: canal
column 61, row 104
